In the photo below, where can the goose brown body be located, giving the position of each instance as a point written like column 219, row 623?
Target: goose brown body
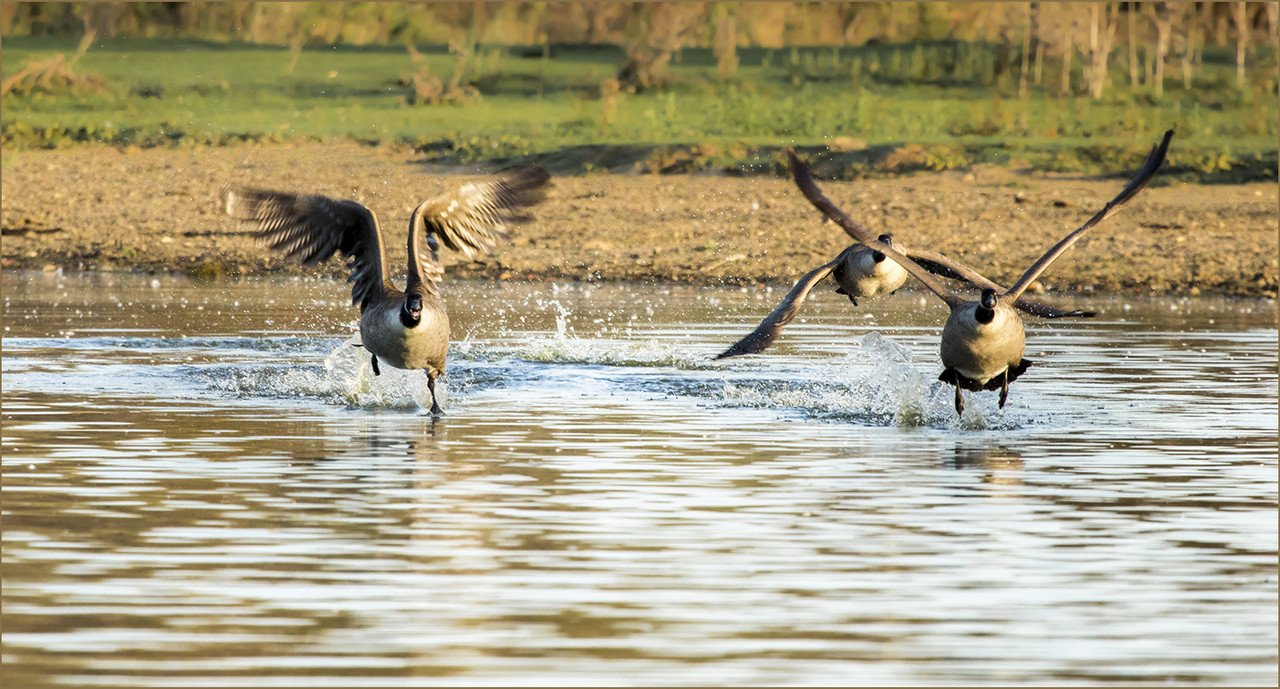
column 865, row 272
column 424, row 346
column 979, row 351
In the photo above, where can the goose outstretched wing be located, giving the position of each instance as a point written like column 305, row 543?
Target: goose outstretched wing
column 1140, row 179
column 785, row 312
column 310, row 228
column 472, row 218
column 939, row 264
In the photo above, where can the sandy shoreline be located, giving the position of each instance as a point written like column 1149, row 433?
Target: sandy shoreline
column 157, row 210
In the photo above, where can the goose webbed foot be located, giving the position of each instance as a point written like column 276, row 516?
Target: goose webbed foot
column 1004, row 387
column 435, row 406
column 373, row 358
column 951, row 377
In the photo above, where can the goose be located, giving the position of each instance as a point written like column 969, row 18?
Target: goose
column 406, row 329
column 983, row 340
column 863, row 271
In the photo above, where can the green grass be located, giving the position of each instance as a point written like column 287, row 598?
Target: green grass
column 945, row 97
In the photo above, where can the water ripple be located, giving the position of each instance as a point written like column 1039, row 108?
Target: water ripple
column 602, row 499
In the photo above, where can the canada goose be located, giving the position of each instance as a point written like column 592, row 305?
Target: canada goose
column 408, row 329
column 862, row 271
column 982, row 341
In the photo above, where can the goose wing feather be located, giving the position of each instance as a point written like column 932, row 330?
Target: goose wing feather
column 476, row 216
column 785, row 312
column 1144, row 175
column 1043, row 310
column 311, row 228
column 938, row 264
column 804, row 180
column 472, row 219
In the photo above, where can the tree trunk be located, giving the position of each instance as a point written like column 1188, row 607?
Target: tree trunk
column 851, row 18
column 1221, row 22
column 656, row 31
column 1133, row 44
column 297, row 34
column 1242, row 40
column 1092, row 72
column 1192, row 40
column 601, row 16
column 1101, row 39
column 86, row 40
column 1163, row 25
column 8, row 15
column 1273, row 25
column 726, row 40
column 295, row 51
column 1068, row 51
column 1039, row 61
column 1028, row 20
column 255, row 24
column 1149, row 52
column 97, row 18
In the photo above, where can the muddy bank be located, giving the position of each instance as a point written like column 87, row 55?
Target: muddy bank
column 157, row 210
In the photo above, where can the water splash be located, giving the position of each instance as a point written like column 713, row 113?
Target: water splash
column 344, row 377
column 224, row 344
column 562, row 320
column 351, row 371
column 563, row 346
column 595, row 351
column 876, row 383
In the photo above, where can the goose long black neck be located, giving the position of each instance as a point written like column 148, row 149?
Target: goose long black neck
column 418, row 232
column 986, row 311
column 876, row 255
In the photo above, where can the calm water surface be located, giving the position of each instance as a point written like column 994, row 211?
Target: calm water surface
column 205, row 485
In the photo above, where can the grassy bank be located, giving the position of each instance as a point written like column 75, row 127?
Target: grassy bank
column 870, row 111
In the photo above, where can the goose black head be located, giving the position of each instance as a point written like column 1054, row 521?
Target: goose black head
column 885, row 238
column 411, row 312
column 986, row 310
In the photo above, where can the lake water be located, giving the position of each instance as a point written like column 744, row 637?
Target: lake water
column 205, row 485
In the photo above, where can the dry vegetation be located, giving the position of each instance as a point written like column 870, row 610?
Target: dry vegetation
column 53, row 76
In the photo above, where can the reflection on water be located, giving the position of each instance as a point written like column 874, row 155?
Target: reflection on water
column 203, row 484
